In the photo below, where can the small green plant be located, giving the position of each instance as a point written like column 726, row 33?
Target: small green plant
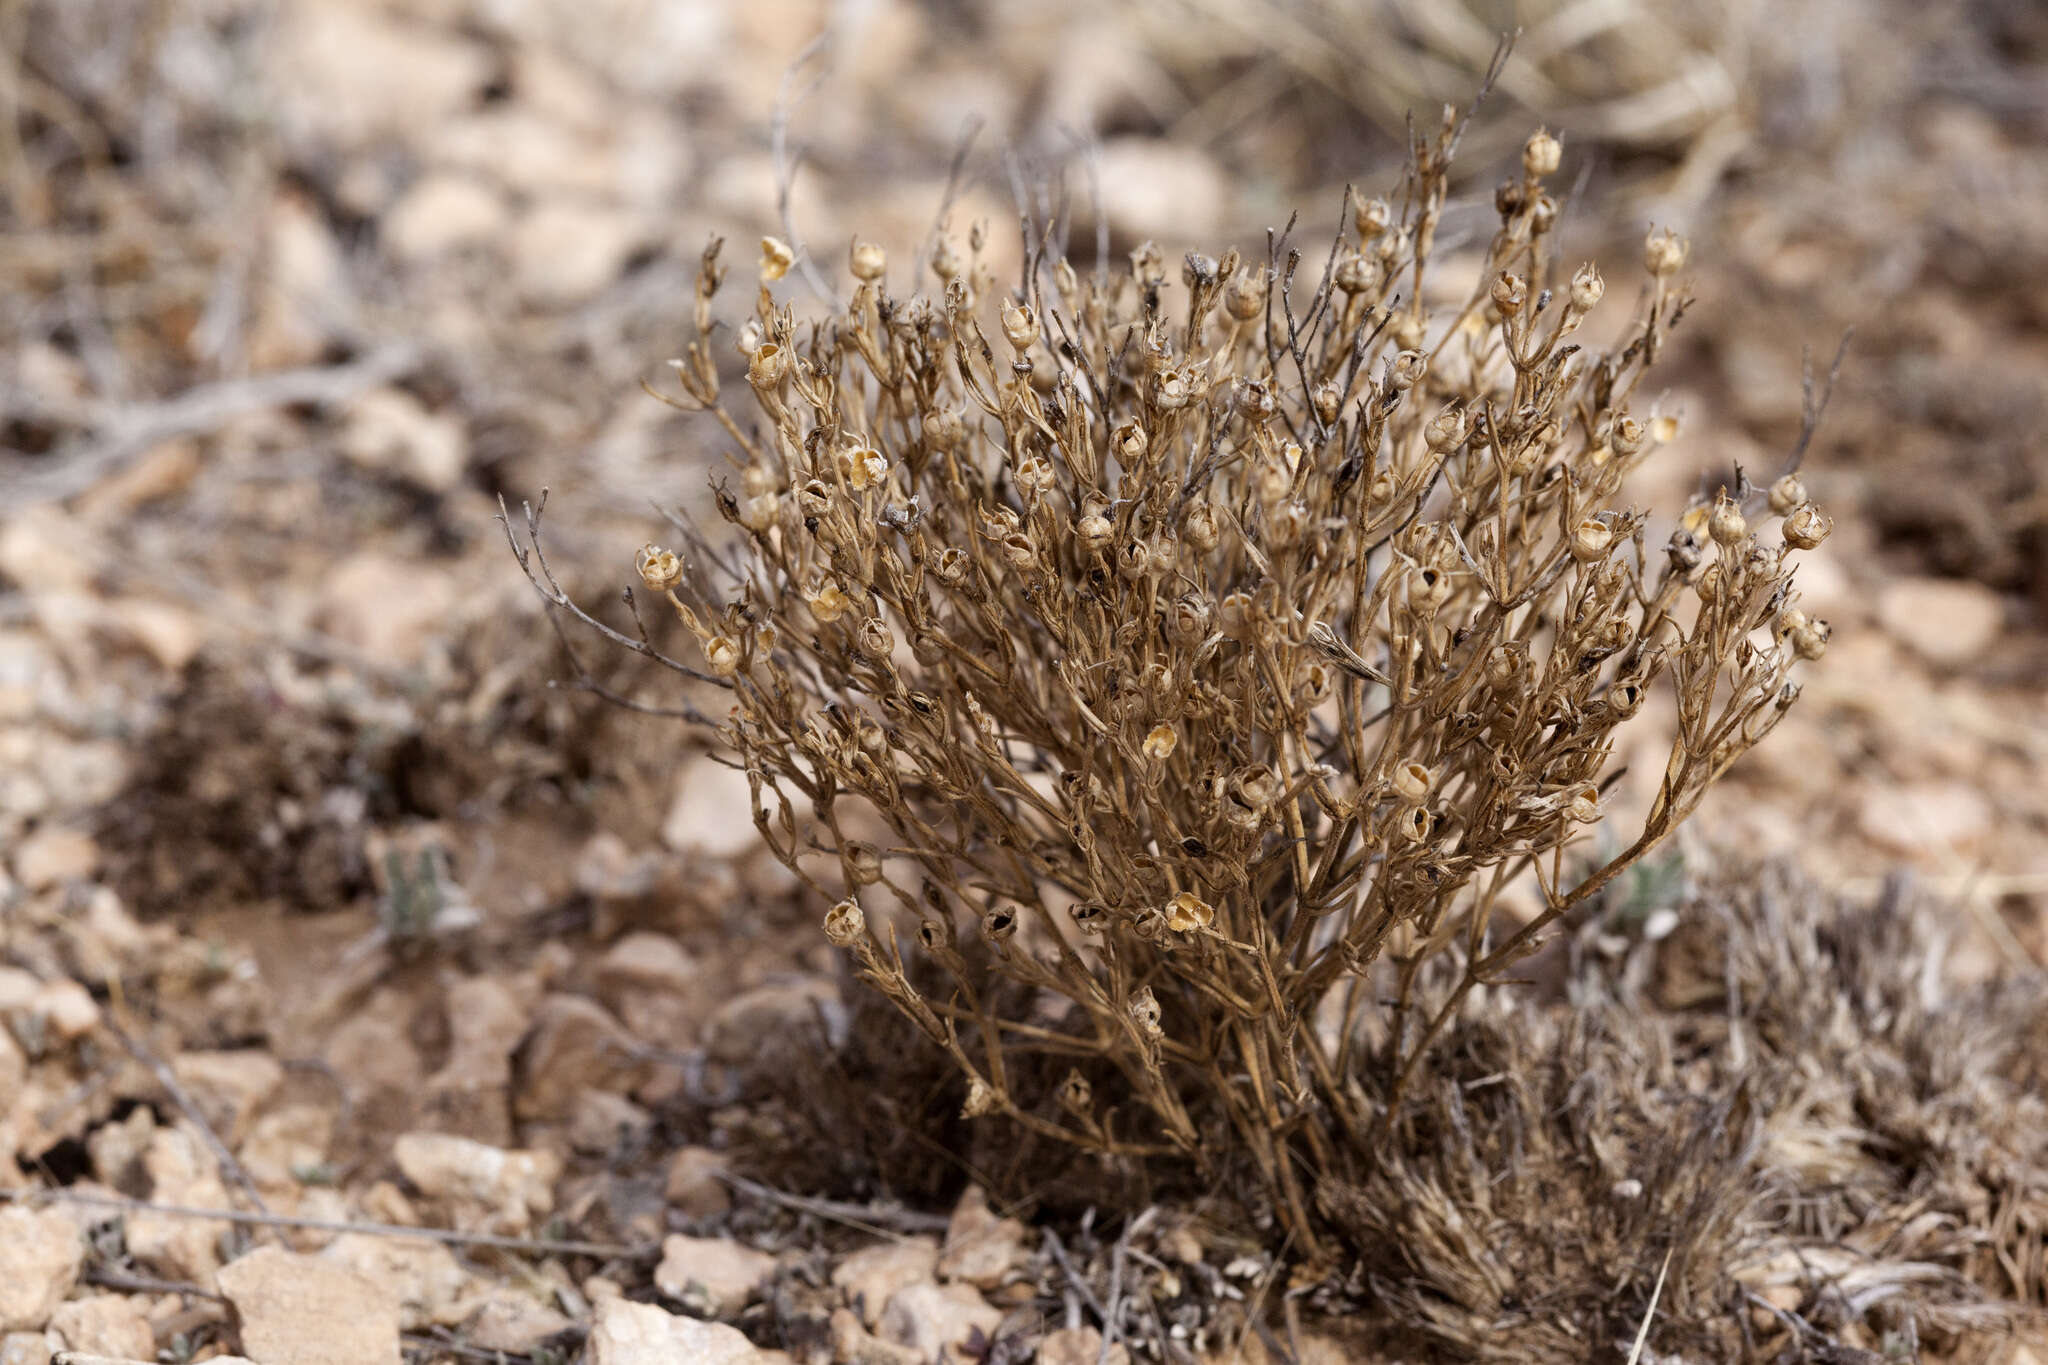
column 1215, row 654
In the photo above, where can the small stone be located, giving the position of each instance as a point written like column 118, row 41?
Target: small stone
column 941, row 1322
column 565, row 252
column 711, row 812
column 1924, row 818
column 1949, row 622
column 853, row 1344
column 104, row 1325
column 181, row 1171
column 41, row 1255
column 443, row 213
column 308, row 1311
column 66, row 1008
column 608, row 869
column 650, row 981
column 626, row 1333
column 981, row 1248
column 1079, row 1346
column 229, row 1087
column 873, row 1275
column 716, row 1271
column 391, row 432
column 1154, row 188
column 604, row 1123
column 25, row 1348
column 423, row 1278
column 286, row 1145
column 693, row 1183
column 790, row 1013
column 169, row 634
column 53, row 856
column 385, row 607
column 513, row 1322
column 483, row 1188
column 575, row 1045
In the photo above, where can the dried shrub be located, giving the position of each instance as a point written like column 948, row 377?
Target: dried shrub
column 1191, row 679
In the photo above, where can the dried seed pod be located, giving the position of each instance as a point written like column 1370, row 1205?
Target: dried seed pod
column 951, row 564
column 1094, row 532
column 1372, row 217
column 1810, row 641
column 1244, row 298
column 1806, row 527
column 862, row 862
column 1583, row 806
column 1089, row 918
column 1189, row 617
column 828, row 604
column 863, row 467
column 1187, row 912
column 1428, row 588
column 1034, row 476
column 1726, row 524
column 1410, row 365
column 723, row 656
column 981, row 1100
column 1356, row 274
column 1541, row 155
column 1414, row 824
column 776, row 259
column 1076, row 1095
column 1445, row 430
column 1509, row 293
column 1787, row 494
column 1134, row 560
column 1202, row 528
column 1327, row 399
column 659, row 569
column 1626, row 697
column 1411, row 781
column 1145, row 1013
column 1159, row 744
column 1590, row 539
column 845, row 925
column 1626, row 436
column 1020, row 325
column 1288, row 523
column 874, row 639
column 944, row 428
column 757, row 514
column 1664, row 253
column 1129, row 443
column 1587, row 288
column 867, row 261
column 946, row 262
column 999, row 924
column 767, row 366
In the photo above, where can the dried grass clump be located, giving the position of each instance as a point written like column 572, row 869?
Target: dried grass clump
column 1784, row 1107
column 1192, row 672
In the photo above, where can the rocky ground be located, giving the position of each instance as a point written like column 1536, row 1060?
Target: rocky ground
column 322, row 907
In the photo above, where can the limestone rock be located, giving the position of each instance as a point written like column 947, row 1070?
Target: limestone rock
column 941, row 1322
column 626, row 1333
column 55, row 855
column 721, row 1271
column 1947, row 621
column 104, row 1325
column 575, row 1045
column 303, row 1310
column 513, row 1321
column 873, row 1275
column 423, row 1278
column 443, row 213
column 487, row 1188
column 693, row 1185
column 980, row 1248
column 41, row 1255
